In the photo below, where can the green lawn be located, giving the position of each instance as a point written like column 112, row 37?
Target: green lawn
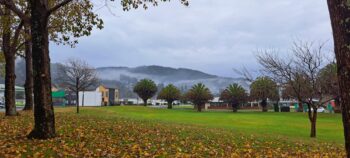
column 293, row 126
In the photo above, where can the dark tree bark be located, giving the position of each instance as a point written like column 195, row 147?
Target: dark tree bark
column 312, row 114
column 313, row 124
column 144, row 102
column 264, row 105
column 300, row 108
column 29, row 72
column 77, row 94
column 170, row 104
column 234, row 105
column 337, row 107
column 199, row 108
column 340, row 13
column 10, row 77
column 44, row 117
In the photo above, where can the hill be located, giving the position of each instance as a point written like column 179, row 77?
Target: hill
column 125, row 77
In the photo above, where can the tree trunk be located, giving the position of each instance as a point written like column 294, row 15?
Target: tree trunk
column 264, row 105
column 312, row 118
column 300, row 108
column 339, row 13
column 29, row 72
column 337, row 107
column 199, row 108
column 10, row 77
column 77, row 93
column 77, row 98
column 144, row 102
column 234, row 107
column 170, row 104
column 313, row 124
column 44, row 116
column 313, row 129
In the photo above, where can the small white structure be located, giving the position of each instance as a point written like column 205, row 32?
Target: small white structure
column 158, row 102
column 19, row 94
column 216, row 100
column 90, row 98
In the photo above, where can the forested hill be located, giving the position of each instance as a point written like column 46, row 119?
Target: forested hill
column 124, row 77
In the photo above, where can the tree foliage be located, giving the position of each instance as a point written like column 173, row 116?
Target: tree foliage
column 234, row 94
column 199, row 94
column 329, row 79
column 73, row 21
column 264, row 88
column 134, row 4
column 145, row 89
column 170, row 93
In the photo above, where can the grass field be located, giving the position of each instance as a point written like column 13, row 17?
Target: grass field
column 291, row 125
column 127, row 131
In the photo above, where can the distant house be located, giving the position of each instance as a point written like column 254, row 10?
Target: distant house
column 113, row 97
column 19, row 92
column 54, row 88
column 99, row 96
column 71, row 97
column 105, row 94
column 110, row 95
column 59, row 98
column 90, row 98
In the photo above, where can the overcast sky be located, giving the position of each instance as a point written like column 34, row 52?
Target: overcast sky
column 213, row 36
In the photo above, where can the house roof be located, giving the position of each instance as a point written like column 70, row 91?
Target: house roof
column 58, row 94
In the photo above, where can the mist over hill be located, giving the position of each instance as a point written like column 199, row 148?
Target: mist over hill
column 124, row 78
column 181, row 77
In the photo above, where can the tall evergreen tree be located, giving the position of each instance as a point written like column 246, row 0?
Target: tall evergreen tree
column 145, row 89
column 234, row 94
column 170, row 93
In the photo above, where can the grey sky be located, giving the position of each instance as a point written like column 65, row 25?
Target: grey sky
column 213, row 36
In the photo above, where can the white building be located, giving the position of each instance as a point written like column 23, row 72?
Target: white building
column 19, row 93
column 90, row 98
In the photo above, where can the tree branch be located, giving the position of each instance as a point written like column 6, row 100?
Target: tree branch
column 58, row 6
column 11, row 5
column 17, row 33
column 20, row 55
column 19, row 46
column 1, row 12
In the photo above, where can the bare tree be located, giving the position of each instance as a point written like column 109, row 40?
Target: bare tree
column 76, row 75
column 245, row 74
column 301, row 74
